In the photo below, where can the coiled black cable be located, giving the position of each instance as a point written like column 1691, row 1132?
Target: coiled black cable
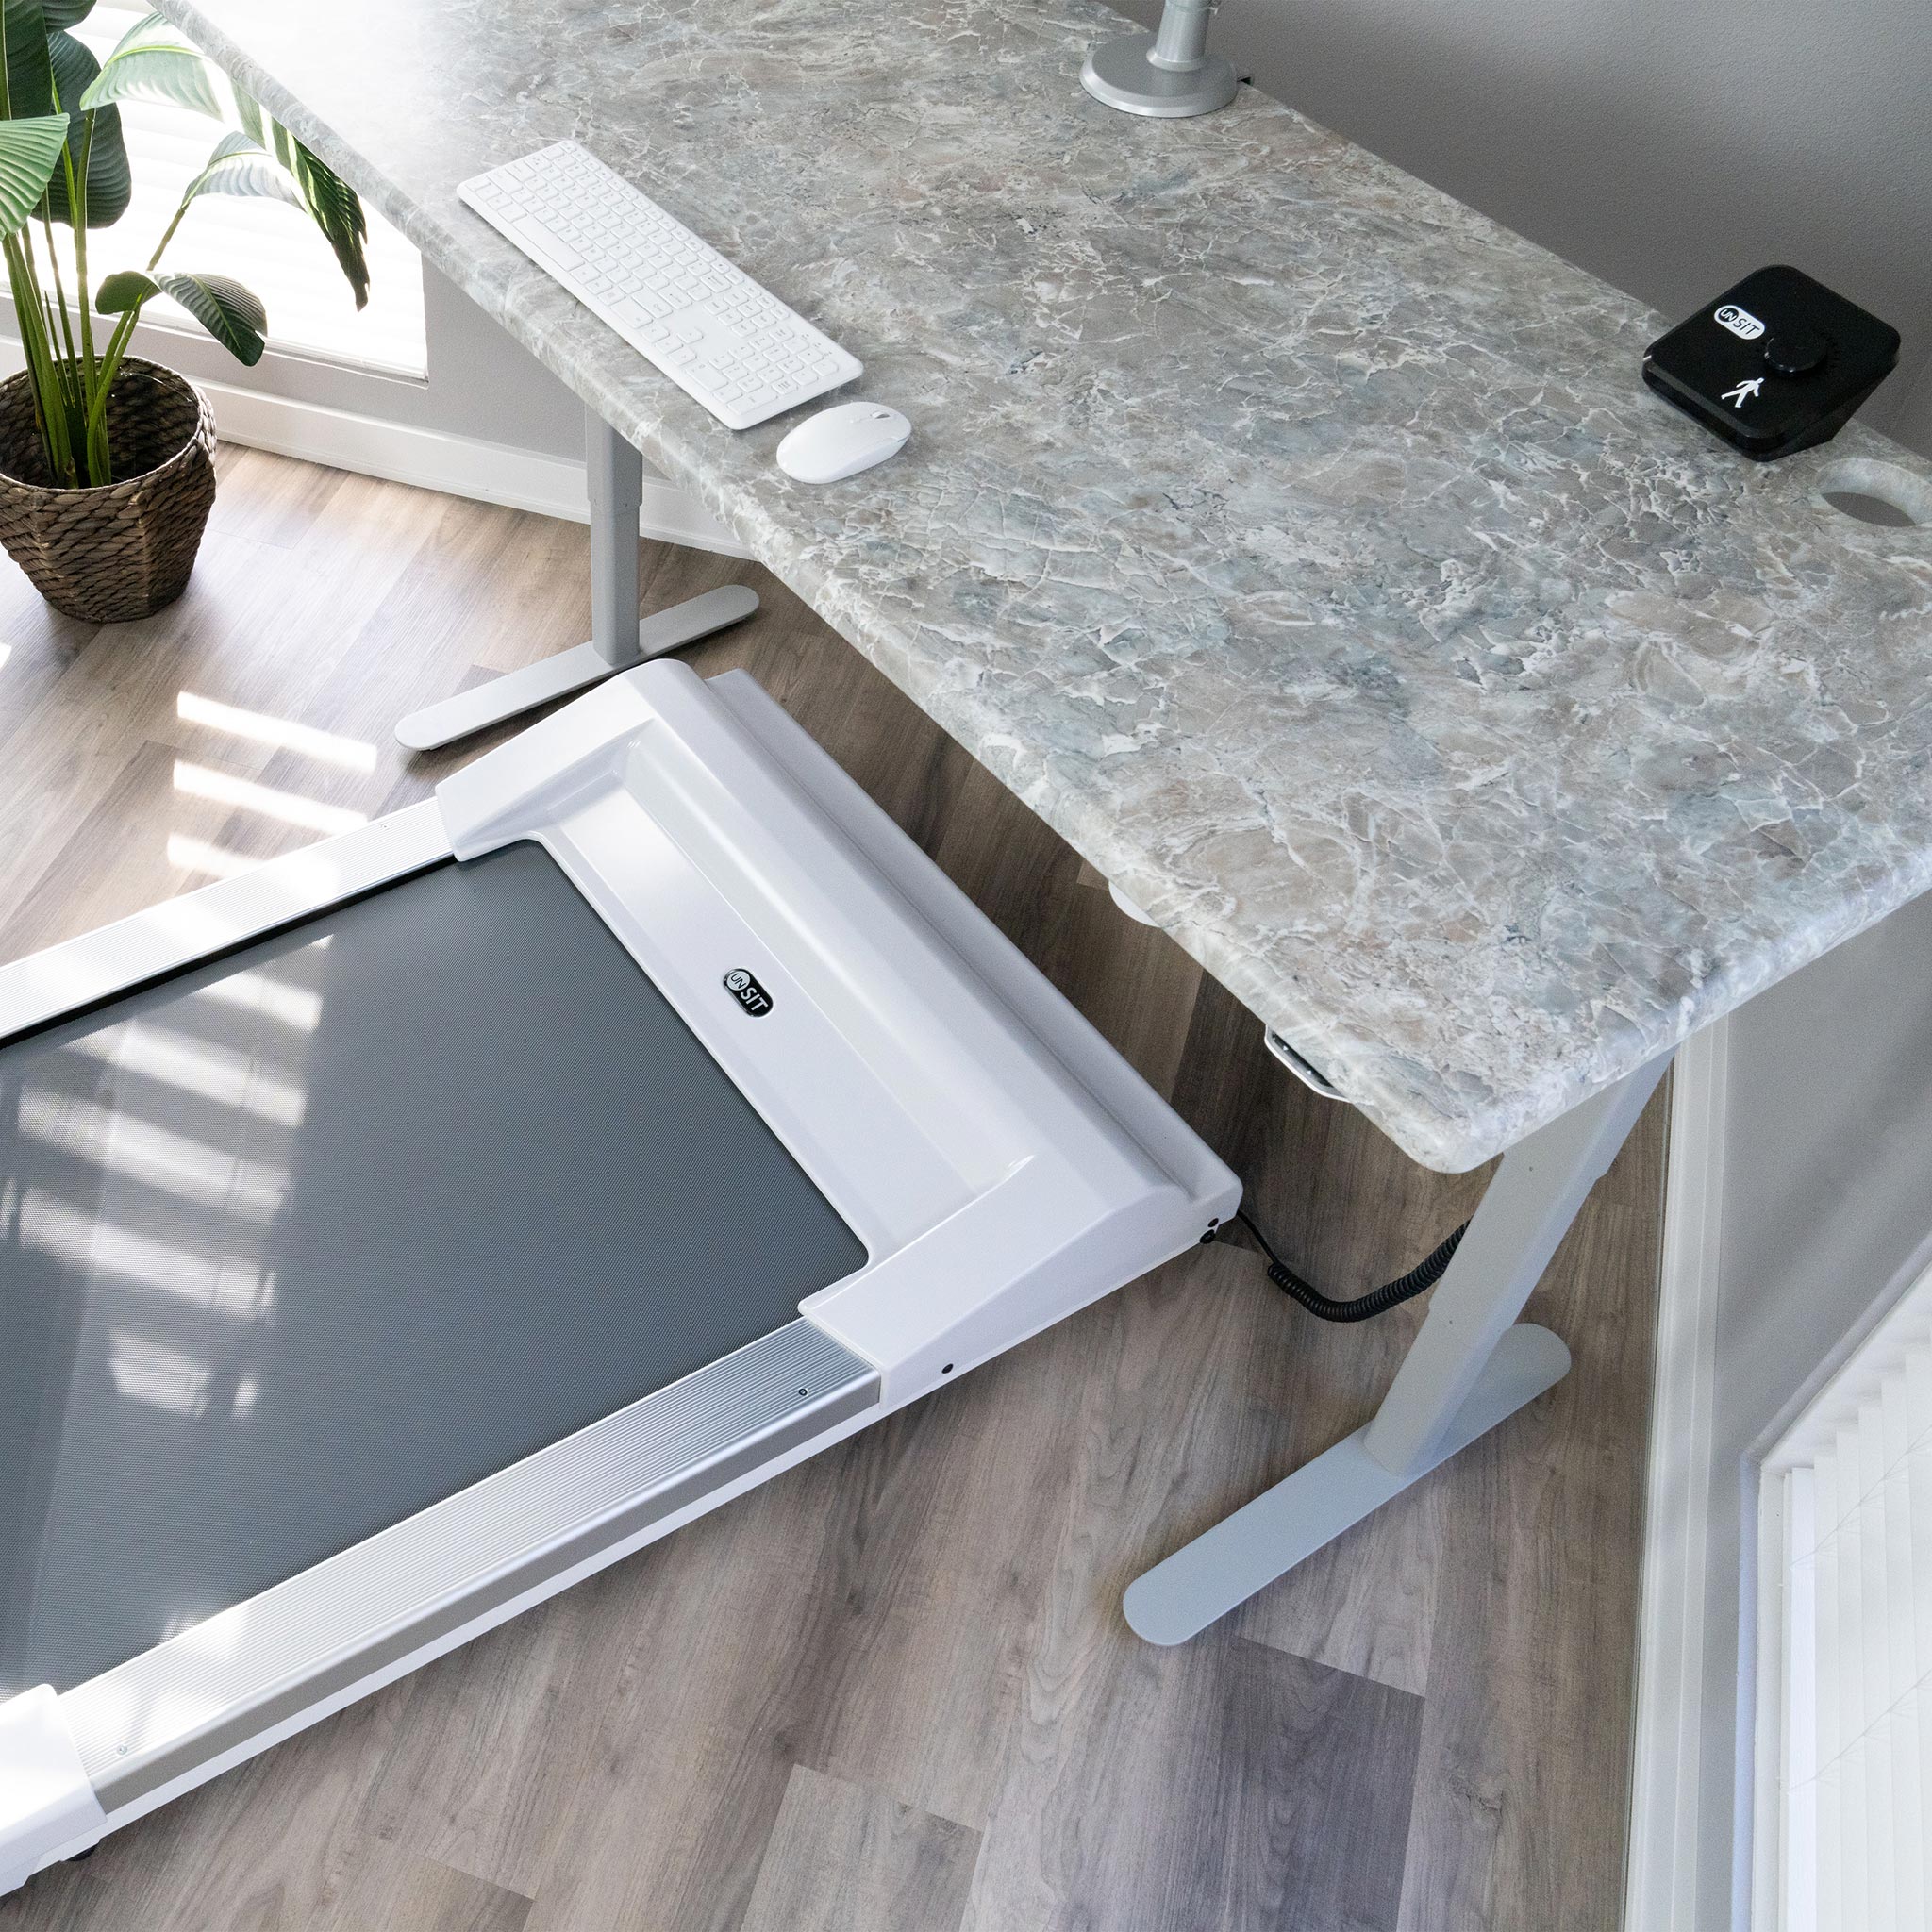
column 1378, row 1301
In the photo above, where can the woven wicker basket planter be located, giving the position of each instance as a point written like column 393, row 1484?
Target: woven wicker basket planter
column 125, row 549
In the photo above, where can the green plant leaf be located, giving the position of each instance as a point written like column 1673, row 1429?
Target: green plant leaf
column 25, row 79
column 154, row 61
column 248, row 111
column 29, row 152
column 97, row 135
column 338, row 212
column 125, row 290
column 238, row 166
column 229, row 312
column 61, row 14
column 334, row 205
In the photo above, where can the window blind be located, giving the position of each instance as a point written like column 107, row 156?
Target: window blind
column 272, row 248
column 1845, row 1785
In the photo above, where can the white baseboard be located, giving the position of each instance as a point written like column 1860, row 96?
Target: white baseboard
column 432, row 459
column 1665, row 1852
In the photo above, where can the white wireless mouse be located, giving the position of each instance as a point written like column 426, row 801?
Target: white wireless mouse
column 842, row 440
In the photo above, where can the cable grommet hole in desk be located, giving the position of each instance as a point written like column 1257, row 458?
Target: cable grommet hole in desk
column 1883, row 495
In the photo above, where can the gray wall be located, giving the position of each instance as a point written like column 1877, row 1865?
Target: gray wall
column 1826, row 1215
column 1669, row 146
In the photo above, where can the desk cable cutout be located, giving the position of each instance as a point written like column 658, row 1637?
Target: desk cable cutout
column 1378, row 1301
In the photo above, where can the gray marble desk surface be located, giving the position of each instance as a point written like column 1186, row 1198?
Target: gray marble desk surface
column 1297, row 543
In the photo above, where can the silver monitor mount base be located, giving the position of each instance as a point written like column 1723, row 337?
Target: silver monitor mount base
column 1171, row 73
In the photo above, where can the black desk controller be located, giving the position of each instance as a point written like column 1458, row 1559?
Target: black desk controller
column 1774, row 365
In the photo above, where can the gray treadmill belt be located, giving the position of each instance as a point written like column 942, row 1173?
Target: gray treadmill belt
column 298, row 1243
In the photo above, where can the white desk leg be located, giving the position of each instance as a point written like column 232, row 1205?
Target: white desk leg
column 1467, row 1368
column 618, row 639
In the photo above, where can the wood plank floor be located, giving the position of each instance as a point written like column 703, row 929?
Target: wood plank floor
column 890, row 1692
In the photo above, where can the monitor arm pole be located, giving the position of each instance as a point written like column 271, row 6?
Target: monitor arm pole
column 1169, row 73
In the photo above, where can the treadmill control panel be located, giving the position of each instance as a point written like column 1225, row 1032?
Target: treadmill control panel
column 1774, row 365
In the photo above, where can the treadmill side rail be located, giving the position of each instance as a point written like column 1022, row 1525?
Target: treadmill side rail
column 186, row 930
column 48, row 1809
column 570, row 1508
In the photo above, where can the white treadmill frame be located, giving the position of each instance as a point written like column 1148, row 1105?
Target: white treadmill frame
column 1001, row 1163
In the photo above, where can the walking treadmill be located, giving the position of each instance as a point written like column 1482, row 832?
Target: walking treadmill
column 395, row 1234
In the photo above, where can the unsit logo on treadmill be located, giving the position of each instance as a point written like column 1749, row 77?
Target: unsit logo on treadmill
column 748, row 992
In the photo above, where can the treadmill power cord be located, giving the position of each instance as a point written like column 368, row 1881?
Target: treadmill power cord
column 1378, row 1301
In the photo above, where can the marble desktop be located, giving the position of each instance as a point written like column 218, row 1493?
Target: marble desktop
column 1299, row 543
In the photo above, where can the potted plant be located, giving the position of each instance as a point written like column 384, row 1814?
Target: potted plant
column 106, row 461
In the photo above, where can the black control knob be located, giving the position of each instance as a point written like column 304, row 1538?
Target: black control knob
column 1796, row 351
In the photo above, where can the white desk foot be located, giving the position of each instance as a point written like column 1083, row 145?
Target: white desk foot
column 518, row 691
column 1263, row 1539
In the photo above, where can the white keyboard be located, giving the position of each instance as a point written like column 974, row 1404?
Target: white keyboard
column 722, row 339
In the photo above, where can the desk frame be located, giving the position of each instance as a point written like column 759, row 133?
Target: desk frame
column 619, row 638
column 1470, row 1365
